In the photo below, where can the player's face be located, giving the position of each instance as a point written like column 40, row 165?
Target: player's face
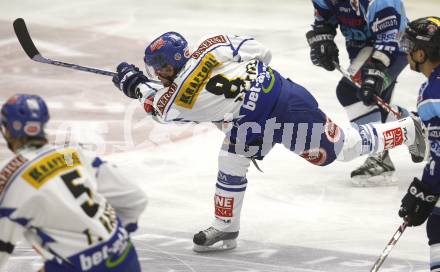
column 166, row 75
column 415, row 56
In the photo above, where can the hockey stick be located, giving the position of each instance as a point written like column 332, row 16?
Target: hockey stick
column 29, row 47
column 31, row 50
column 384, row 105
column 389, row 247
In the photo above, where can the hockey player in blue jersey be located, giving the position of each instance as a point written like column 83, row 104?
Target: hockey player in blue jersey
column 421, row 42
column 370, row 28
column 226, row 80
column 63, row 200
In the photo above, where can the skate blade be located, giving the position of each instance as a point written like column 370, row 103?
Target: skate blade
column 219, row 246
column 382, row 180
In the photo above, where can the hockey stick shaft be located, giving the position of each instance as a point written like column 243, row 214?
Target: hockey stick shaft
column 384, row 105
column 31, row 50
column 389, row 247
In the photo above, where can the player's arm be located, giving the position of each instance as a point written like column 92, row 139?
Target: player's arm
column 10, row 234
column 422, row 194
column 246, row 48
column 323, row 14
column 323, row 50
column 128, row 200
column 386, row 19
column 429, row 112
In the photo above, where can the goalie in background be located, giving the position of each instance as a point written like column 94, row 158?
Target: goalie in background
column 421, row 42
column 371, row 30
column 74, row 209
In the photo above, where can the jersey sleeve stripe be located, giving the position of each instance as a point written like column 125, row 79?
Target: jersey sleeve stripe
column 429, row 109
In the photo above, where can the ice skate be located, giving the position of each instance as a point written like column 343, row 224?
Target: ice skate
column 418, row 148
column 212, row 239
column 377, row 170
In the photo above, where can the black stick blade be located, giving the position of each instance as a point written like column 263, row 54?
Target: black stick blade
column 24, row 38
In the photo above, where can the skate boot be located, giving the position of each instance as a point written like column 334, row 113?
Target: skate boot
column 213, row 239
column 377, row 170
column 418, row 148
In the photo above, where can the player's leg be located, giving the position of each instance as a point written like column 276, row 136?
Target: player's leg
column 228, row 200
column 308, row 131
column 320, row 141
column 375, row 138
column 377, row 169
column 394, row 71
column 433, row 232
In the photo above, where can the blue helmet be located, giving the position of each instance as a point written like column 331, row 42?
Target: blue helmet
column 169, row 48
column 24, row 116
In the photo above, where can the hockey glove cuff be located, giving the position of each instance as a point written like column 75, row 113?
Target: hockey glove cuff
column 418, row 203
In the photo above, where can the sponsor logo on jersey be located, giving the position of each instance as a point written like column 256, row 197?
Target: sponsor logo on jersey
column 332, row 131
column 223, row 206
column 434, row 131
column 38, row 173
column 113, row 254
column 388, row 36
column 315, row 156
column 165, row 98
column 264, row 82
column 194, row 84
column 206, row 44
column 385, row 23
column 9, row 170
column 393, row 138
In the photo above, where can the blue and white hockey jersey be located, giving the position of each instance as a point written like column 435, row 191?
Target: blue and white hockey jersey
column 64, row 202
column 428, row 107
column 376, row 23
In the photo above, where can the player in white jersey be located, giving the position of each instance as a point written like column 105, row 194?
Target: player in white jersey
column 74, row 209
column 226, row 80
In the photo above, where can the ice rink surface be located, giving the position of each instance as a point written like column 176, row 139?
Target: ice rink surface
column 296, row 216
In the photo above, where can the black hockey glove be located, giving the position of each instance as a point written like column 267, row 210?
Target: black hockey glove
column 323, row 49
column 417, row 204
column 128, row 78
column 373, row 78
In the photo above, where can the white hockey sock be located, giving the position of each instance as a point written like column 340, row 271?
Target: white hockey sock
column 375, row 138
column 389, row 135
column 228, row 201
